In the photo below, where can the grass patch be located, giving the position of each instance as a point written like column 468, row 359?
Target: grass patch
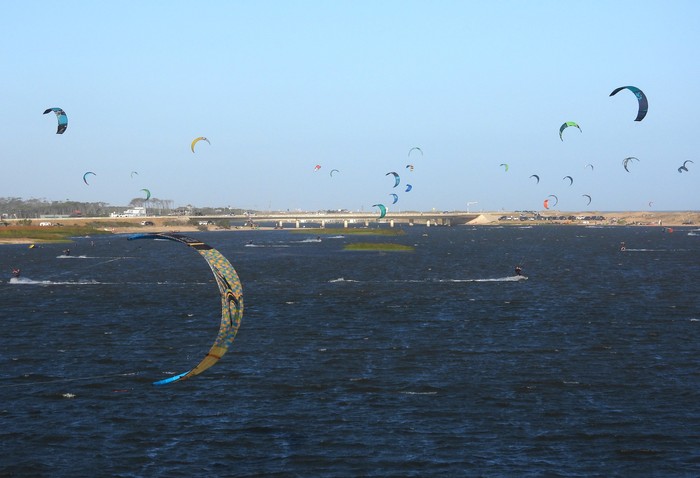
column 351, row 231
column 48, row 233
column 378, row 246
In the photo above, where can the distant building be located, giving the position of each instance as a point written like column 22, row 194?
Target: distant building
column 134, row 212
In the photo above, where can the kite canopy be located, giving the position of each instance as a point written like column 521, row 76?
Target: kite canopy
column 566, row 125
column 536, row 177
column 86, row 175
column 395, row 196
column 571, row 180
column 408, row 187
column 589, row 198
column 334, row 171
column 197, row 140
column 415, row 148
column 62, row 119
column 317, row 167
column 626, row 161
column 556, row 199
column 505, row 165
column 397, row 179
column 382, row 210
column 641, row 98
column 684, row 167
column 231, row 301
column 148, row 194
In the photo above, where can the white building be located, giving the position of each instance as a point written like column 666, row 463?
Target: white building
column 134, row 212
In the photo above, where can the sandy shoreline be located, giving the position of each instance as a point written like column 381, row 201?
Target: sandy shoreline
column 612, row 219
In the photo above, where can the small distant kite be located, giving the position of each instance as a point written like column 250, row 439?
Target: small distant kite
column 589, row 165
column 684, row 168
column 148, row 194
column 197, row 140
column 382, row 210
column 395, row 196
column 415, row 148
column 134, row 173
column 333, row 171
column 545, row 203
column 397, row 179
column 61, row 117
column 409, row 167
column 317, row 167
column 641, row 98
column 231, row 301
column 571, row 180
column 505, row 165
column 536, row 177
column 408, row 188
column 566, row 125
column 589, row 199
column 556, row 199
column 86, row 175
column 626, row 161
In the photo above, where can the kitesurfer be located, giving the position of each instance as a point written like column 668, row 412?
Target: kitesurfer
column 16, row 272
column 518, row 271
column 622, row 246
column 66, row 252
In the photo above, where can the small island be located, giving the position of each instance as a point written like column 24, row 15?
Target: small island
column 378, row 246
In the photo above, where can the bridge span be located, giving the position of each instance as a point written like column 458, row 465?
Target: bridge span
column 347, row 219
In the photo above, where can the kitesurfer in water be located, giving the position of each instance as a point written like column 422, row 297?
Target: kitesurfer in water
column 66, row 252
column 518, row 271
column 16, row 272
column 622, row 246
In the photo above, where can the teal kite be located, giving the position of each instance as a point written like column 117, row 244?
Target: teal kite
column 148, row 194
column 641, row 99
column 382, row 210
column 397, row 179
column 62, row 119
column 231, row 292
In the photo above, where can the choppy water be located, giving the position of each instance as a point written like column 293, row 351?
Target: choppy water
column 431, row 363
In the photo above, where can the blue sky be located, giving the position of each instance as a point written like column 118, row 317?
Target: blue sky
column 279, row 87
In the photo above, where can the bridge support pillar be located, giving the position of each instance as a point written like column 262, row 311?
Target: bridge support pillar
column 391, row 223
column 427, row 223
column 323, row 224
column 366, row 223
column 345, row 224
column 296, row 224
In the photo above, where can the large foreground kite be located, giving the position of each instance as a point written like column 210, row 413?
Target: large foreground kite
column 231, row 301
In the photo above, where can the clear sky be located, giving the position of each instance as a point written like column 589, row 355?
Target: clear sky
column 281, row 86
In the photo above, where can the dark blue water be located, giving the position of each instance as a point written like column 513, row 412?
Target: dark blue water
column 430, row 363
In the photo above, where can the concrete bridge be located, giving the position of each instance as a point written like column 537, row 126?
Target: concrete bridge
column 346, row 219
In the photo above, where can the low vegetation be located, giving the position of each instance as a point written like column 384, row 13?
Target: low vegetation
column 48, row 234
column 378, row 246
